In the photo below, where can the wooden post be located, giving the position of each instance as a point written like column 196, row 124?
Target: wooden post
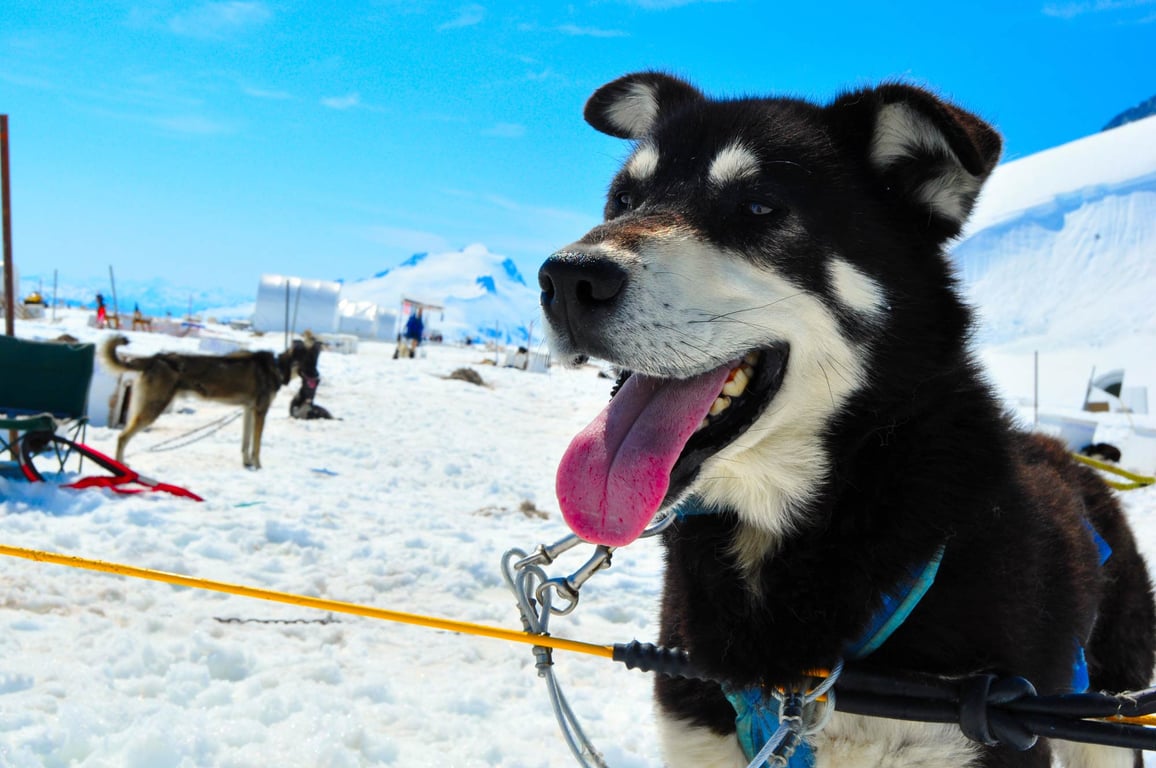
column 115, row 323
column 1036, row 391
column 286, row 313
column 6, row 223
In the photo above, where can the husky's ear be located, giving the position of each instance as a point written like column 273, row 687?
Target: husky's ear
column 927, row 152
column 630, row 106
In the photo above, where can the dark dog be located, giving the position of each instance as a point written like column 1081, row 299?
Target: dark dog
column 771, row 279
column 301, row 360
column 248, row 379
column 1102, row 451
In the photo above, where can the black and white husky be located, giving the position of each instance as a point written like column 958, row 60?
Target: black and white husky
column 771, row 280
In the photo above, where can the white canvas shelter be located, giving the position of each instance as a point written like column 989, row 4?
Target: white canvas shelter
column 366, row 320
column 296, row 304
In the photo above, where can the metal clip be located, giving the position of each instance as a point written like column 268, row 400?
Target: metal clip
column 567, row 588
column 545, row 555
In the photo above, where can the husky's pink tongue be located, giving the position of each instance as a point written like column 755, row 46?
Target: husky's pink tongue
column 616, row 472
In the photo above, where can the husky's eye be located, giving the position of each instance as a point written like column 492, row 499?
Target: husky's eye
column 624, row 200
column 753, row 208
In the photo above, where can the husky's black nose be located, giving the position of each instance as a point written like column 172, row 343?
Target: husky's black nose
column 578, row 288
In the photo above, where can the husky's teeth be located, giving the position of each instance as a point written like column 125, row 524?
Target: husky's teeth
column 705, row 423
column 719, row 405
column 737, row 383
column 751, row 358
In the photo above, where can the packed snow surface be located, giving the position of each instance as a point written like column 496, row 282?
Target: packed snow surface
column 407, row 503
column 1061, row 243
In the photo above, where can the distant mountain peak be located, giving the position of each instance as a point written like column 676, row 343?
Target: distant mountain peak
column 1139, row 112
column 413, row 261
column 512, row 271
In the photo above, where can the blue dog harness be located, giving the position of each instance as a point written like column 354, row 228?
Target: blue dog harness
column 757, row 713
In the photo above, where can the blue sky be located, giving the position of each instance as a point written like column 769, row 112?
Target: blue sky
column 208, row 142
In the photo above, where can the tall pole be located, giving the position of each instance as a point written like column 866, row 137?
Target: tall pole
column 287, row 313
column 115, row 307
column 6, row 223
column 296, row 306
column 1036, row 392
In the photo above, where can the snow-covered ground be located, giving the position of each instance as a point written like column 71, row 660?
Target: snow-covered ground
column 406, row 503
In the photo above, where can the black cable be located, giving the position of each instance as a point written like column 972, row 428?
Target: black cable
column 989, row 709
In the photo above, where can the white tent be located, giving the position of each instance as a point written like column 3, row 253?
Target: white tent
column 296, row 304
column 366, row 320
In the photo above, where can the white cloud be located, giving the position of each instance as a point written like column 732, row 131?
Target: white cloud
column 506, row 131
column 412, row 240
column 261, row 93
column 576, row 31
column 176, row 124
column 468, row 16
column 348, row 101
column 193, row 125
column 1071, row 10
column 663, row 5
column 215, row 20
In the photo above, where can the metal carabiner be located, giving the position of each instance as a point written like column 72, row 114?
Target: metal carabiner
column 546, row 554
column 567, row 589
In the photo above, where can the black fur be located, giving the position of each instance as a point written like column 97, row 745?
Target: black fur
column 920, row 454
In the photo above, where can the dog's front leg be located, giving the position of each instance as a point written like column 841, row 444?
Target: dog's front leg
column 258, row 430
column 696, row 724
column 684, row 745
column 247, row 437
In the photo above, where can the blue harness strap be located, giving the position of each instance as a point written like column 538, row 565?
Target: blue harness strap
column 756, row 714
column 1080, row 679
column 897, row 606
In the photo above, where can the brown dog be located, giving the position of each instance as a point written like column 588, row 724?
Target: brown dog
column 248, row 379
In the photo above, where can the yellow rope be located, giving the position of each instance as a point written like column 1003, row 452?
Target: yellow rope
column 1138, row 720
column 464, row 627
column 1137, row 481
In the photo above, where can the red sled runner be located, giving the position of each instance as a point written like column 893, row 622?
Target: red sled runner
column 123, row 479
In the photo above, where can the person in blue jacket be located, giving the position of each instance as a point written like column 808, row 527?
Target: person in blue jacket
column 413, row 331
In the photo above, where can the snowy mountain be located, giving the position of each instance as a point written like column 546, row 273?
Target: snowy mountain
column 483, row 294
column 1144, row 109
column 1078, row 224
column 156, row 296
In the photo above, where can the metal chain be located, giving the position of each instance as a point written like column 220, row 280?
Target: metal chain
column 533, row 589
column 535, row 592
column 172, row 443
column 801, row 714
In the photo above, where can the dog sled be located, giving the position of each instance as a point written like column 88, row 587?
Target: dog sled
column 120, row 478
